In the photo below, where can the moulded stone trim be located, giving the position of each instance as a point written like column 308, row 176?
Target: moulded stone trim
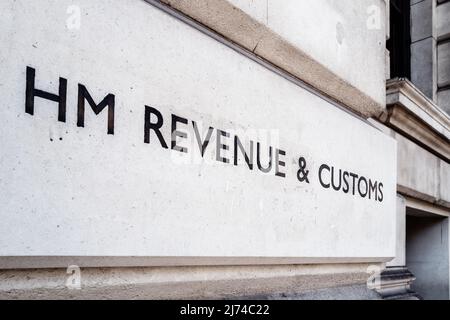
column 26, row 262
column 395, row 283
column 443, row 21
column 411, row 112
column 234, row 25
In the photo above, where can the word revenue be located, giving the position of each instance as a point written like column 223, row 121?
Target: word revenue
column 223, row 139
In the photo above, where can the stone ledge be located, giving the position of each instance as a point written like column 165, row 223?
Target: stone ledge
column 414, row 161
column 416, row 116
column 441, row 204
column 236, row 26
column 424, row 208
column 44, row 262
column 178, row 283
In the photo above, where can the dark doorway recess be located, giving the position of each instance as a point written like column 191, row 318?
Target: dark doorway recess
column 427, row 254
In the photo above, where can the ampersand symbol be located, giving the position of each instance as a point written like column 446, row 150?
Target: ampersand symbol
column 302, row 174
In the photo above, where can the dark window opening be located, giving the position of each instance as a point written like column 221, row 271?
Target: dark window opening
column 399, row 44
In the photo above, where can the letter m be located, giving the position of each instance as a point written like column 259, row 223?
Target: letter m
column 83, row 95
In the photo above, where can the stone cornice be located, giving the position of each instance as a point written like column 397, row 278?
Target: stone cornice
column 416, row 116
column 237, row 27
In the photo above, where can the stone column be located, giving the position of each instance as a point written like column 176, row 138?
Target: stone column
column 423, row 47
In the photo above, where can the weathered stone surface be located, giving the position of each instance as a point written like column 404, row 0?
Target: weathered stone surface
column 277, row 37
column 444, row 100
column 427, row 255
column 422, row 25
column 411, row 112
column 422, row 132
column 421, row 174
column 418, row 170
column 355, row 292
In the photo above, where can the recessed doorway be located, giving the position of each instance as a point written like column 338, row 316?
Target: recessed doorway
column 427, row 253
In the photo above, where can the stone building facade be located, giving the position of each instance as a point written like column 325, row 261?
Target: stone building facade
column 133, row 139
column 423, row 159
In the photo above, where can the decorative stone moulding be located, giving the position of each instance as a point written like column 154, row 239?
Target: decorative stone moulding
column 223, row 21
column 417, row 117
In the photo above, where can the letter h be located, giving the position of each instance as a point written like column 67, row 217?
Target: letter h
column 32, row 92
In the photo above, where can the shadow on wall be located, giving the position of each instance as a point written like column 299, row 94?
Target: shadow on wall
column 427, row 254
